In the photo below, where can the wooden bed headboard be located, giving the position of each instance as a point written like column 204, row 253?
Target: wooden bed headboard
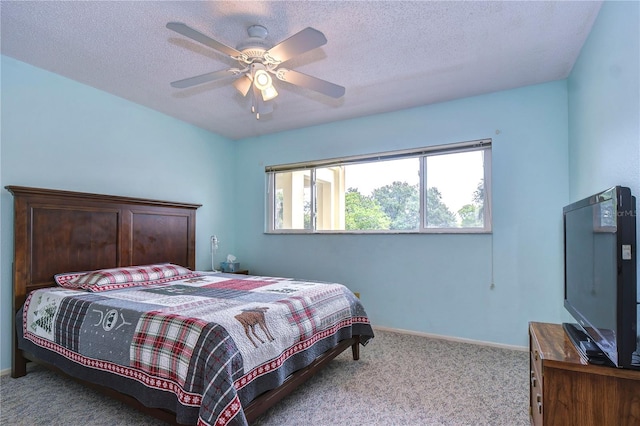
column 62, row 231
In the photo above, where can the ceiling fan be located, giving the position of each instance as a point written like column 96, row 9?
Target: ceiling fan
column 258, row 62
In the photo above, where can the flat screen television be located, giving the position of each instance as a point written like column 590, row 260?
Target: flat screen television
column 600, row 277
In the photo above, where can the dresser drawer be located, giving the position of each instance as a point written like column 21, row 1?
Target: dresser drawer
column 535, row 383
column 535, row 393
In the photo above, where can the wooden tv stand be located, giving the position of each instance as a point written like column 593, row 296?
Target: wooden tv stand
column 566, row 390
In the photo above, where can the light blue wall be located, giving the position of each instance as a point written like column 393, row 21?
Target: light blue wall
column 60, row 134
column 434, row 283
column 604, row 104
column 604, row 107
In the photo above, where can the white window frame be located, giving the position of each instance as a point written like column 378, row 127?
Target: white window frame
column 421, row 153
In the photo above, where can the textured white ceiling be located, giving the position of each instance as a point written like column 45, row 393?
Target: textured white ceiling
column 389, row 55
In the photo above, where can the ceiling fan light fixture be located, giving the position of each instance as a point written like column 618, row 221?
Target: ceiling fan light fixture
column 269, row 93
column 243, row 84
column 262, row 80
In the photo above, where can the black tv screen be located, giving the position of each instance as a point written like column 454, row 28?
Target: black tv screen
column 600, row 289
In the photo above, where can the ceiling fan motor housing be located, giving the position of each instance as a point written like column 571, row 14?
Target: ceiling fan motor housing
column 256, row 45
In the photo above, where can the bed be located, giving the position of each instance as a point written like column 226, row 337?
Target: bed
column 199, row 347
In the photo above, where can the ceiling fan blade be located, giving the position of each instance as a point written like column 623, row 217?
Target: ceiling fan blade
column 298, row 43
column 204, row 78
column 309, row 82
column 186, row 31
column 243, row 84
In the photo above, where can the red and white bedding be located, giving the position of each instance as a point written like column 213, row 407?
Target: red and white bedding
column 199, row 344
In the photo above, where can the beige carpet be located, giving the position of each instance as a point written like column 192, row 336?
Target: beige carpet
column 400, row 380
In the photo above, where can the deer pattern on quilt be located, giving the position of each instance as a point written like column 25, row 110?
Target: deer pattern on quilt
column 249, row 318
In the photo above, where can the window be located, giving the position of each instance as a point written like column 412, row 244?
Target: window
column 445, row 188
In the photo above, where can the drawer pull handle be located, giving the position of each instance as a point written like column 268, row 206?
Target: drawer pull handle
column 539, row 400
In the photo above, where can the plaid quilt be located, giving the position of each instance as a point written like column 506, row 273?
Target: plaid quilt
column 204, row 345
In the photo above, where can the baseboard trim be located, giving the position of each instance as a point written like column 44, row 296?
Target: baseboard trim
column 453, row 339
column 5, row 372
